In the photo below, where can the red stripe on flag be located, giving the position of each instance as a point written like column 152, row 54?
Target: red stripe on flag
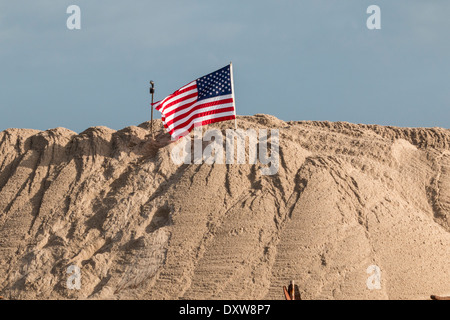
column 200, row 106
column 176, row 93
column 189, row 96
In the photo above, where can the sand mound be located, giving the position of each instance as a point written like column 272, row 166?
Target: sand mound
column 137, row 225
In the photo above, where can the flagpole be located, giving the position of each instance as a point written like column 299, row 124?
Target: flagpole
column 232, row 92
column 152, row 92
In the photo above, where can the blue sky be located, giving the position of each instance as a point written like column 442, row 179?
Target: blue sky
column 297, row 60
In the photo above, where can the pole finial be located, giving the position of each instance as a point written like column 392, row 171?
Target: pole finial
column 152, row 88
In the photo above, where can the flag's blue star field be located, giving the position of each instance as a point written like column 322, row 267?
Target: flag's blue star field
column 214, row 84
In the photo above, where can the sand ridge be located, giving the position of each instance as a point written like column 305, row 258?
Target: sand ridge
column 346, row 196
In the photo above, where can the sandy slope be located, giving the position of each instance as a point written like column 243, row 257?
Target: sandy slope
column 345, row 197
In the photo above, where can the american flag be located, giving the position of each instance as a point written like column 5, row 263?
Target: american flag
column 203, row 101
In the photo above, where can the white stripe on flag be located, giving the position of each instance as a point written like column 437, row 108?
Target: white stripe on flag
column 177, row 97
column 178, row 105
column 175, row 124
column 199, row 103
